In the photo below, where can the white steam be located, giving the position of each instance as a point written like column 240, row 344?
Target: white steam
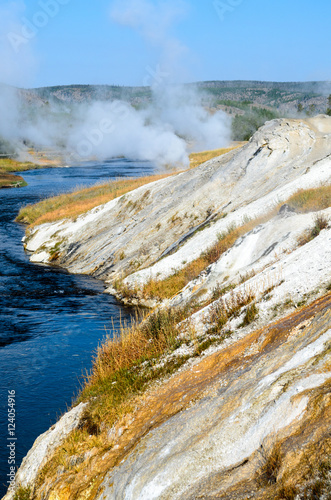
column 164, row 132
column 168, row 127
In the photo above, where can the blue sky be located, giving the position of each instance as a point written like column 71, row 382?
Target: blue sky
column 244, row 39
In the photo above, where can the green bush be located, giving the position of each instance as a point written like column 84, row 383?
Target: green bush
column 244, row 126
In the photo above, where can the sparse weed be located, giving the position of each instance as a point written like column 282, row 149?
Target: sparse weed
column 223, row 310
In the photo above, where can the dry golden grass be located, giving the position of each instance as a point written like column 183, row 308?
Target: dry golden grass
column 311, row 200
column 197, row 159
column 113, row 399
column 171, row 285
column 132, row 344
column 118, row 374
column 72, row 204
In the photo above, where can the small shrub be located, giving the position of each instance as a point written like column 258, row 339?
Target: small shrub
column 321, row 222
column 287, row 492
column 244, row 126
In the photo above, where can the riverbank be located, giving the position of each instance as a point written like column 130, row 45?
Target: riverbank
column 41, row 159
column 10, row 180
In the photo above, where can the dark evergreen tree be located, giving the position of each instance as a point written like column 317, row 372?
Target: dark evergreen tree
column 328, row 111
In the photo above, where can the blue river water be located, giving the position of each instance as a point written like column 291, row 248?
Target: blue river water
column 51, row 322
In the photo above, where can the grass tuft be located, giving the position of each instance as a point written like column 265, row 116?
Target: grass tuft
column 125, row 365
column 272, row 463
column 223, row 310
column 251, row 314
column 23, row 493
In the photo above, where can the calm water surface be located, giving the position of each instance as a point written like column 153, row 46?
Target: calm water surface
column 51, row 322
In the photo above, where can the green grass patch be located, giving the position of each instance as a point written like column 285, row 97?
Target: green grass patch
column 10, row 165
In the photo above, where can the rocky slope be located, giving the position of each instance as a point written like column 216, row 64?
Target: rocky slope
column 250, row 420
column 250, row 417
column 161, row 227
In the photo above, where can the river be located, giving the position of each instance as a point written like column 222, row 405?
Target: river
column 51, row 322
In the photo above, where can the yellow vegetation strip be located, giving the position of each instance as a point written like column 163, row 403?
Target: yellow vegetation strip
column 197, row 159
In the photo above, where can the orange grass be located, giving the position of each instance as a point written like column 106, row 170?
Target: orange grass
column 197, row 159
